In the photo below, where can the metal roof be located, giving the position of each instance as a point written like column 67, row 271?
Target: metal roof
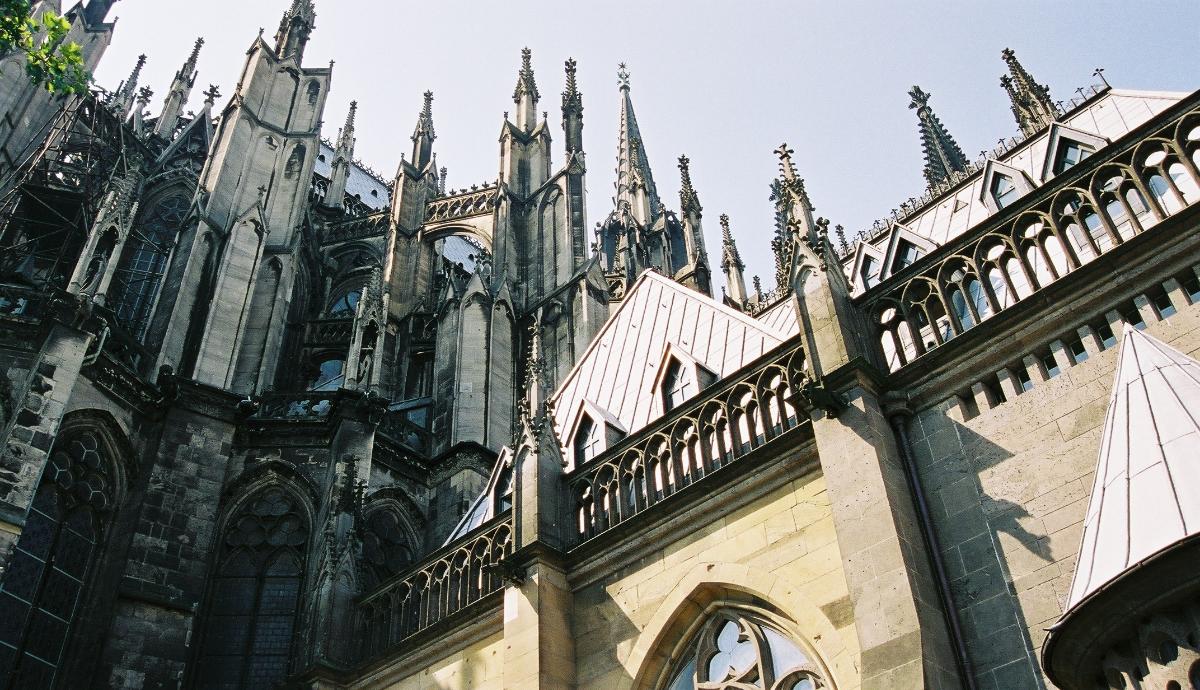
column 1146, row 495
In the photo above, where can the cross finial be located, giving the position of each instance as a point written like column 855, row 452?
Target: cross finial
column 920, row 97
column 785, row 161
column 1099, row 73
column 622, row 76
column 211, row 96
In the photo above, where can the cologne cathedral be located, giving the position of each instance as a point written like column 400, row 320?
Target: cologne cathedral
column 272, row 420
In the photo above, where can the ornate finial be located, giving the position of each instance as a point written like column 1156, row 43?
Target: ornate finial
column 841, row 236
column 758, row 293
column 425, row 119
column 525, row 80
column 622, row 76
column 442, row 179
column 786, row 168
column 1031, row 103
column 1099, row 74
column 211, row 96
column 571, row 97
column 729, row 252
column 920, row 98
column 689, row 201
column 144, row 95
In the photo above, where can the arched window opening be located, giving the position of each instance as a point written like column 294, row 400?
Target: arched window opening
column 1097, row 232
column 385, row 547
column 1137, row 202
column 1080, row 243
column 255, row 595
column 1163, row 193
column 1004, row 297
column 678, row 386
column 1058, row 258
column 295, row 161
column 331, row 373
column 138, row 277
column 736, row 649
column 978, row 299
column 345, row 304
column 1041, row 271
column 1184, row 183
column 1004, row 192
column 589, row 440
column 43, row 588
column 1120, row 219
column 959, row 304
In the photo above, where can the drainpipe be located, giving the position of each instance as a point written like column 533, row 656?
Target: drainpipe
column 899, row 415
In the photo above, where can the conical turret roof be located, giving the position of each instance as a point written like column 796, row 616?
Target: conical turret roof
column 1146, row 495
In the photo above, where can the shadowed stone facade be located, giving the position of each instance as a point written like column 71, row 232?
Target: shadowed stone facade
column 272, row 420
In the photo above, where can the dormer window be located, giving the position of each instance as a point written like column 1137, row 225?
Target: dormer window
column 907, row 254
column 679, row 385
column 589, row 439
column 1070, row 153
column 1004, row 192
column 504, row 490
column 869, row 272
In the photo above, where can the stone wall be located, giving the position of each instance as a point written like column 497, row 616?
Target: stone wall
column 477, row 665
column 1009, row 489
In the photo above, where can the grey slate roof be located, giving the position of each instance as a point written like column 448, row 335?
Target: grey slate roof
column 1146, row 495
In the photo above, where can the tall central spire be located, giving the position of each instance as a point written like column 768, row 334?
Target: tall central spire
column 943, row 157
column 633, row 168
column 526, row 95
column 294, row 29
column 1031, row 103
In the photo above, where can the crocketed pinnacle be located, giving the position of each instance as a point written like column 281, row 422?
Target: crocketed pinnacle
column 525, row 80
column 346, row 136
column 186, row 76
column 295, row 28
column 688, row 200
column 1031, row 103
column 730, row 258
column 943, row 157
column 632, row 164
column 127, row 91
column 572, row 100
column 425, row 119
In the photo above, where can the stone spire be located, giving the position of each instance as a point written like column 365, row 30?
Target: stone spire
column 177, row 97
column 572, row 111
column 689, row 201
column 423, row 134
column 635, row 183
column 342, row 158
column 943, row 157
column 294, row 29
column 526, row 95
column 731, row 264
column 124, row 98
column 1031, row 102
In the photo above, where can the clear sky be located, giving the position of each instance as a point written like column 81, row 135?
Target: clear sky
column 723, row 82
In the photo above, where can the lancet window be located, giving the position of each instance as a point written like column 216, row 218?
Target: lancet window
column 43, row 588
column 737, row 650
column 138, row 277
column 252, row 606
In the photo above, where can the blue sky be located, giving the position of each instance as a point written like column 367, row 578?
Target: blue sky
column 723, row 82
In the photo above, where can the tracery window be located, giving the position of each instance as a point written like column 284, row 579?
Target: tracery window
column 678, row 386
column 255, row 593
column 736, row 650
column 42, row 590
column 138, row 277
column 344, row 305
column 385, row 548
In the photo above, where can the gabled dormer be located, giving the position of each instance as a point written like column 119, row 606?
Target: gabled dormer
column 680, row 378
column 1003, row 185
column 593, row 431
column 867, row 270
column 904, row 248
column 1066, row 147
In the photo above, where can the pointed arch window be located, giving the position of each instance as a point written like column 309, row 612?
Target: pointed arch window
column 589, row 439
column 345, row 304
column 385, row 548
column 678, row 386
column 43, row 588
column 253, row 602
column 737, row 649
column 1004, row 191
column 139, row 275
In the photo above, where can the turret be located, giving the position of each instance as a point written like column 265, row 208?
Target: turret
column 731, row 264
column 526, row 95
column 423, row 135
column 572, row 111
column 343, row 156
column 177, row 97
column 294, row 29
column 943, row 157
column 1031, row 103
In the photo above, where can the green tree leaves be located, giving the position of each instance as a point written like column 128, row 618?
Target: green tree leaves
column 50, row 62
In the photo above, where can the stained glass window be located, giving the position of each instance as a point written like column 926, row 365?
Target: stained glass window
column 252, row 606
column 385, row 547
column 45, row 583
column 736, row 650
column 139, row 275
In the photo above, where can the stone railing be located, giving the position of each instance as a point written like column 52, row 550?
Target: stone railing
column 26, row 304
column 465, row 204
column 397, row 426
column 1109, row 198
column 736, row 417
column 294, row 407
column 329, row 332
column 447, row 581
column 368, row 224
